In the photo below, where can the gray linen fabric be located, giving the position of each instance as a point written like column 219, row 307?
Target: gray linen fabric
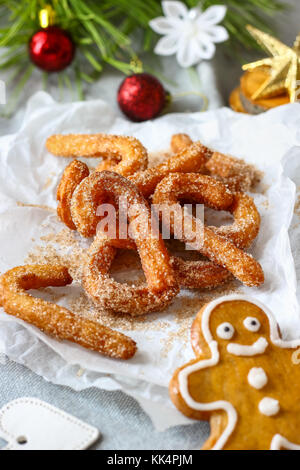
column 119, row 418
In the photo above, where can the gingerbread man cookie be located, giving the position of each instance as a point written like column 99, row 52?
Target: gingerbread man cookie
column 244, row 379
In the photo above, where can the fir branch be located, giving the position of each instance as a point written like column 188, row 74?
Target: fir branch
column 103, row 31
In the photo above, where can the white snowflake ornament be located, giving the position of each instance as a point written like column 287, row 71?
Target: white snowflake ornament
column 190, row 34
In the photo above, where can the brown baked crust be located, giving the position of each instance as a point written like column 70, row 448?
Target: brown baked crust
column 53, row 319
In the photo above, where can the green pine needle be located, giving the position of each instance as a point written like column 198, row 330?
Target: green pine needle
column 103, row 31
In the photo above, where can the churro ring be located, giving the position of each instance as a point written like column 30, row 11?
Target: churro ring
column 190, row 159
column 100, row 188
column 123, row 298
column 53, row 319
column 126, row 154
column 74, row 173
column 246, row 221
column 212, row 244
column 161, row 281
column 245, row 227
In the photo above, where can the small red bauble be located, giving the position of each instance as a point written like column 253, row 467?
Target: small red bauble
column 51, row 49
column 141, row 97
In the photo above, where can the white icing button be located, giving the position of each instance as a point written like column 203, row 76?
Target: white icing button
column 257, row 378
column 268, row 406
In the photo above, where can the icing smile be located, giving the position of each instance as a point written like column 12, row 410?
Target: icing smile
column 256, row 348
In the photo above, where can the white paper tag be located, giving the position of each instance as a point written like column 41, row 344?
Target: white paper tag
column 31, row 424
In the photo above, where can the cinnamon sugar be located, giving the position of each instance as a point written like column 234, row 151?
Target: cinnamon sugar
column 235, row 173
column 156, row 158
column 69, row 249
column 54, row 248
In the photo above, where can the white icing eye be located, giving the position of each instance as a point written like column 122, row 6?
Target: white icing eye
column 225, row 331
column 252, row 324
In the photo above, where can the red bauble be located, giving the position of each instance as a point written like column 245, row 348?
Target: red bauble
column 141, row 97
column 51, row 49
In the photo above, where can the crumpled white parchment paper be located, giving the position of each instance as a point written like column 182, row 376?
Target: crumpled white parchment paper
column 29, row 174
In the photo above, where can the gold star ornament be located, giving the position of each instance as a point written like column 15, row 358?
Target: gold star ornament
column 283, row 67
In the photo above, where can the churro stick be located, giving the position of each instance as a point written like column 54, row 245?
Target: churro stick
column 75, row 172
column 53, row 319
column 191, row 159
column 234, row 172
column 179, row 142
column 126, row 154
column 211, row 242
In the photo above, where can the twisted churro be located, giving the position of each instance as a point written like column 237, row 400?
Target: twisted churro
column 213, row 244
column 126, row 154
column 54, row 320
